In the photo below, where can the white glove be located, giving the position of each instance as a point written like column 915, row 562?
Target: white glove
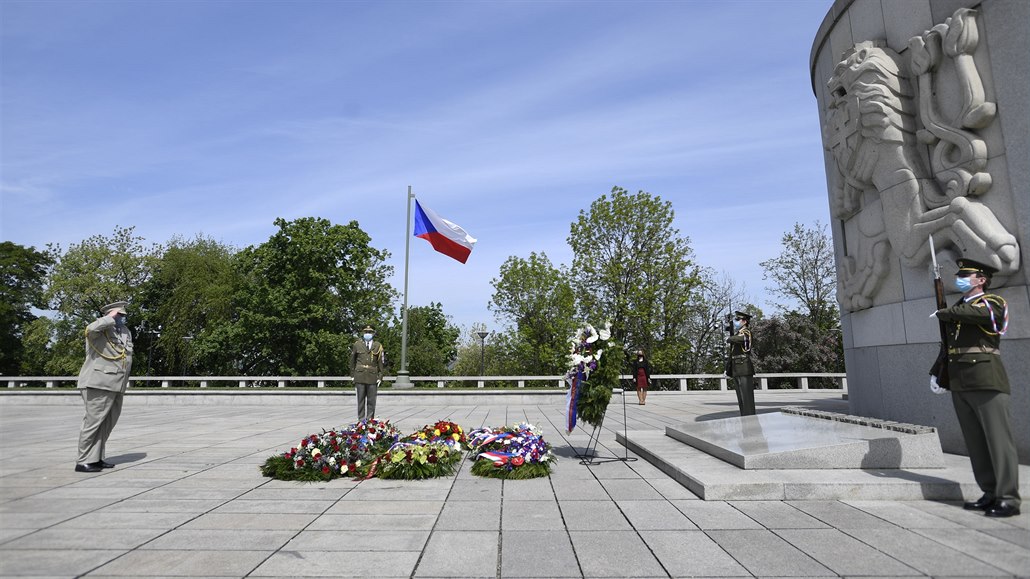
column 934, row 387
column 934, row 314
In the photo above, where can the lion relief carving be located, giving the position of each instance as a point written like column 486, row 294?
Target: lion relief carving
column 905, row 171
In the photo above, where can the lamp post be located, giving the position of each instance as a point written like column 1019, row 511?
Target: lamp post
column 482, row 351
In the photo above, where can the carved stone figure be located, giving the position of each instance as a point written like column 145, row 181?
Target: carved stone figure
column 904, row 170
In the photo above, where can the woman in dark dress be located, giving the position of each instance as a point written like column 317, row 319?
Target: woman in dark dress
column 641, row 376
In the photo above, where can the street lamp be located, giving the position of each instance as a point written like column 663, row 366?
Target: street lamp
column 482, row 352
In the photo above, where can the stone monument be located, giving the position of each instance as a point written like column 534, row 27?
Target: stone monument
column 925, row 111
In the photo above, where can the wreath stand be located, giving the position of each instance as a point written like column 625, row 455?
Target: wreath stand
column 589, row 456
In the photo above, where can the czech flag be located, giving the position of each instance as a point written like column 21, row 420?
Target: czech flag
column 446, row 237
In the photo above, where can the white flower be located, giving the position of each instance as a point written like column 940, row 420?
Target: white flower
column 606, row 333
column 591, row 334
column 597, row 355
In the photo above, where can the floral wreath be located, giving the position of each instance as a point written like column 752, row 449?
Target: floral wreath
column 591, row 378
column 516, row 452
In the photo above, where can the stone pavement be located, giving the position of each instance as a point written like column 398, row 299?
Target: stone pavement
column 186, row 499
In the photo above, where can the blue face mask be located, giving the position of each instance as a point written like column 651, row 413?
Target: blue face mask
column 737, row 324
column 119, row 320
column 368, row 337
column 963, row 284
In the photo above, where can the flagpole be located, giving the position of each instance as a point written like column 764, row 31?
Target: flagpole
column 402, row 375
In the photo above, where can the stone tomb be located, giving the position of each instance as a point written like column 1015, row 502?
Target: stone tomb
column 804, row 439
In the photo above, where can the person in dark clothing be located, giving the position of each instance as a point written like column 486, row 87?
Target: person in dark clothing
column 641, row 376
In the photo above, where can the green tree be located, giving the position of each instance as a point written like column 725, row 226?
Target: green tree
column 23, row 272
column 432, row 341
column 91, row 274
column 716, row 296
column 794, row 342
column 188, row 298
column 536, row 300
column 804, row 273
column 632, row 267
column 307, row 291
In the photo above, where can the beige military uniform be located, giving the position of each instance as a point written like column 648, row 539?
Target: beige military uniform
column 103, row 379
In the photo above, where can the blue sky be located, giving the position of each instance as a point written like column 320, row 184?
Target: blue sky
column 215, row 118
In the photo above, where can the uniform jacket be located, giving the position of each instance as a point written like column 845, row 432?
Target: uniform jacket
column 974, row 360
column 108, row 356
column 739, row 363
column 366, row 364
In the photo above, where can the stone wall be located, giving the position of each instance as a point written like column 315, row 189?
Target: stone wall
column 925, row 109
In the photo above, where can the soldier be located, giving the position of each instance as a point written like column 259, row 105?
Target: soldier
column 366, row 366
column 103, row 379
column 738, row 364
column 980, row 388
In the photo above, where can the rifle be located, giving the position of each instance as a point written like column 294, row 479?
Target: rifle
column 939, row 370
column 728, row 327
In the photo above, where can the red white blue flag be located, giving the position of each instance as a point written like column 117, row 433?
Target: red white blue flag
column 445, row 236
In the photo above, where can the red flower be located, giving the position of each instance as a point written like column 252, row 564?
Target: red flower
column 517, row 460
column 325, row 470
column 432, row 458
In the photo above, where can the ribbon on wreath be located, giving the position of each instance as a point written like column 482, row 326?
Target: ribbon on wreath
column 572, row 400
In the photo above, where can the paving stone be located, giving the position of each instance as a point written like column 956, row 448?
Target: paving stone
column 536, row 489
column 108, row 520
column 98, row 537
column 843, row 554
column 165, row 506
column 346, row 540
column 273, row 507
column 997, row 552
column 257, row 521
column 295, row 494
column 531, row 515
column 476, row 489
column 142, row 563
column 372, row 521
column 337, row 564
column 901, row 514
column 460, row 554
column 538, row 554
column 471, row 516
column 839, row 515
column 777, row 515
column 715, row 515
column 630, row 489
column 579, row 490
column 590, row 516
column 387, row 508
column 614, row 554
column 672, row 490
column 225, row 539
column 923, row 554
column 655, row 515
column 55, row 563
column 1020, row 537
column 692, row 554
column 764, row 554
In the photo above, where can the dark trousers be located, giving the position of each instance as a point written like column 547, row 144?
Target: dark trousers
column 984, row 418
column 103, row 408
column 366, row 395
column 745, row 394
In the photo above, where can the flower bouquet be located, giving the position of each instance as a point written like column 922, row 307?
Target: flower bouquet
column 518, row 452
column 334, row 453
column 429, row 453
column 591, row 377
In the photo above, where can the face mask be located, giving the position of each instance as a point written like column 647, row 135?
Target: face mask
column 737, row 324
column 963, row 284
column 368, row 337
column 119, row 320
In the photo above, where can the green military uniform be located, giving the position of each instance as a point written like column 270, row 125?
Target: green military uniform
column 103, row 379
column 740, row 367
column 366, row 367
column 980, row 392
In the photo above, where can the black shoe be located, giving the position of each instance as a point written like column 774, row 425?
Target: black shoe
column 92, row 467
column 104, row 464
column 1002, row 509
column 981, row 504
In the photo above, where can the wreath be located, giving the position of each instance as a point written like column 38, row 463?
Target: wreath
column 593, row 372
column 516, row 452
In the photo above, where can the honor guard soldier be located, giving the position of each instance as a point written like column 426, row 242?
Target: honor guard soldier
column 738, row 363
column 980, row 388
column 103, row 379
column 366, row 367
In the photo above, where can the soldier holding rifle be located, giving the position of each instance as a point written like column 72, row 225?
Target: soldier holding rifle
column 980, row 388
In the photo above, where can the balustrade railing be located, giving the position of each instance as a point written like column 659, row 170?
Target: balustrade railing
column 681, row 382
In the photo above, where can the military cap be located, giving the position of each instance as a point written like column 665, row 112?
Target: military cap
column 368, row 329
column 120, row 306
column 969, row 266
column 742, row 316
